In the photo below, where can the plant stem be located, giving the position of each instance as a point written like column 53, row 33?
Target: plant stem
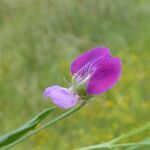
column 111, row 144
column 64, row 115
column 130, row 133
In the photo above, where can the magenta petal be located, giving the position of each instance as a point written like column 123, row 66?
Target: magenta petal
column 105, row 76
column 91, row 55
column 62, row 97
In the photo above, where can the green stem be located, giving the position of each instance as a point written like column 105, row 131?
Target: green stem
column 114, row 145
column 64, row 115
column 130, row 133
column 111, row 144
column 130, row 144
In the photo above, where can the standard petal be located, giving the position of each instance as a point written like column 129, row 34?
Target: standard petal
column 62, row 97
column 105, row 76
column 92, row 55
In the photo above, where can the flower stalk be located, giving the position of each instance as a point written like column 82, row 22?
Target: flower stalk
column 51, row 122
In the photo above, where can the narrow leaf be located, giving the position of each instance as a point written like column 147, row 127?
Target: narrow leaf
column 16, row 134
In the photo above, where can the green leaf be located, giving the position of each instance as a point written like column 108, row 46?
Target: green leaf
column 30, row 125
column 47, row 124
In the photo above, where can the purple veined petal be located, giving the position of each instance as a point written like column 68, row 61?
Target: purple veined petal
column 105, row 76
column 62, row 97
column 89, row 56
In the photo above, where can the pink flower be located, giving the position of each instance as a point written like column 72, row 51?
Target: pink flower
column 96, row 69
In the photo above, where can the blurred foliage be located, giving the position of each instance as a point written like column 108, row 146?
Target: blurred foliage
column 38, row 41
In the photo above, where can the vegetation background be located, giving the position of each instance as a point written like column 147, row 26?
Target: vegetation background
column 38, row 41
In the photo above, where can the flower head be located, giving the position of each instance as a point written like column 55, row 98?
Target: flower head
column 94, row 72
column 102, row 70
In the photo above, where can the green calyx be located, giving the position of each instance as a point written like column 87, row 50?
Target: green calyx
column 81, row 89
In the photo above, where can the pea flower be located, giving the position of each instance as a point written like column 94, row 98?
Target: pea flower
column 93, row 72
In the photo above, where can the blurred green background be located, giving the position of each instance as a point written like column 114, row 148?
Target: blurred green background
column 38, row 41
